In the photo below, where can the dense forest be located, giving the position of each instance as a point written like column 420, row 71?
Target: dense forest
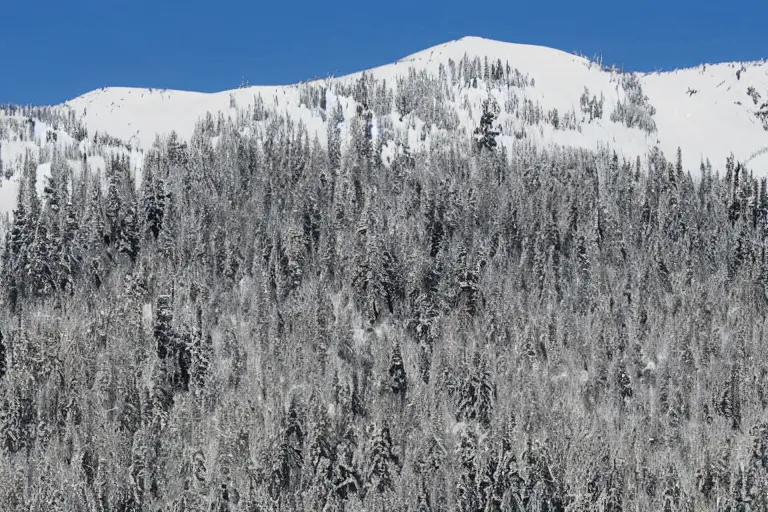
column 259, row 320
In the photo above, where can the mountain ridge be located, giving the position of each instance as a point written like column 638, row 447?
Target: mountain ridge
column 710, row 111
column 454, row 43
column 541, row 63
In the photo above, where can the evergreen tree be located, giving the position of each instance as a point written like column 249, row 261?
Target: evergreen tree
column 153, row 201
column 334, row 137
column 128, row 242
column 381, row 461
column 397, row 378
column 346, row 478
column 477, row 394
column 16, row 250
column 163, row 329
column 485, row 134
column 113, row 207
column 3, row 361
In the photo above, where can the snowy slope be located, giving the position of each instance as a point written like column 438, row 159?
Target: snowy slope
column 21, row 139
column 717, row 119
column 705, row 111
column 712, row 123
column 709, row 123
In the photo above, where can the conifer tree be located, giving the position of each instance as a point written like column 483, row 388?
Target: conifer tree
column 3, row 361
column 381, row 461
column 346, row 478
column 485, row 134
column 334, row 137
column 153, row 201
column 397, row 378
column 163, row 329
column 128, row 242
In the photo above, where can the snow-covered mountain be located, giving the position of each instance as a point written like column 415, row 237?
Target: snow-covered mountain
column 541, row 94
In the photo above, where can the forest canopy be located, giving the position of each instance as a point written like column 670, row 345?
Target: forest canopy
column 265, row 321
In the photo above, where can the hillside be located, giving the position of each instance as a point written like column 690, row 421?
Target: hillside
column 712, row 123
column 438, row 285
column 705, row 111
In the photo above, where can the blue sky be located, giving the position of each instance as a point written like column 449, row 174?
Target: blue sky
column 51, row 51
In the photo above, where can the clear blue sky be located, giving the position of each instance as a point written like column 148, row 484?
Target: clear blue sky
column 51, row 51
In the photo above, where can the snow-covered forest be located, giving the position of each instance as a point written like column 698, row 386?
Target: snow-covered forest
column 267, row 315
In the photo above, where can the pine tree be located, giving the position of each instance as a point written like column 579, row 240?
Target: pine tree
column 40, row 265
column 477, row 395
column 153, row 201
column 113, row 207
column 346, row 478
column 29, row 176
column 318, row 465
column 163, row 329
column 16, row 250
column 128, row 241
column 376, row 279
column 381, row 462
column 201, row 354
column 3, row 361
column 293, row 444
column 334, row 138
column 72, row 246
column 467, row 495
column 397, row 378
column 485, row 134
column 362, row 137
column 760, row 445
column 624, row 382
column 296, row 253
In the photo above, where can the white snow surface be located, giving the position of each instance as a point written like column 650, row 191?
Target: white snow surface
column 705, row 111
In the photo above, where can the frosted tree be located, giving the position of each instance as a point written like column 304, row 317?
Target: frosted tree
column 334, row 137
column 397, row 377
column 3, row 361
column 381, row 462
column 128, row 241
column 486, row 133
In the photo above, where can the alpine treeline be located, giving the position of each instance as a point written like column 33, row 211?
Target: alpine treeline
column 261, row 320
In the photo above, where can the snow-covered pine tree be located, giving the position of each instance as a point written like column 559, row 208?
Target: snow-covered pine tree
column 381, row 462
column 397, row 377
column 486, row 133
column 128, row 235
